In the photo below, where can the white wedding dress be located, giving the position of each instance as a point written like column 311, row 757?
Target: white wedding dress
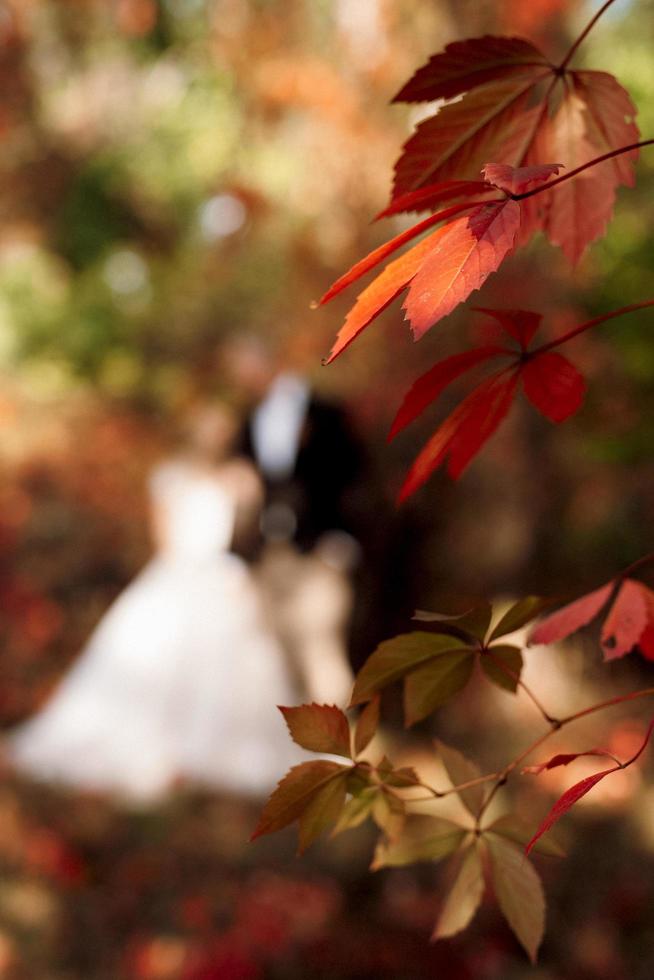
column 181, row 677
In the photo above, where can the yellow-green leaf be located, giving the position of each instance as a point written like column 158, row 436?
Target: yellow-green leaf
column 323, row 810
column 423, row 838
column 464, row 897
column 435, row 682
column 515, row 830
column 519, row 614
column 519, row 892
column 356, row 810
column 503, row 664
column 366, row 726
column 394, row 658
column 462, row 770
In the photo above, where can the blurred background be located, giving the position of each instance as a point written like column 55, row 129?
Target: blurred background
column 176, row 171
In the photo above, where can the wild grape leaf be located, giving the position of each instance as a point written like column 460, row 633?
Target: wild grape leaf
column 462, row 258
column 519, row 892
column 522, row 113
column 295, row 793
column 564, row 759
column 462, row 770
column 424, row 838
column 395, row 658
column 474, row 622
column 400, row 778
column 553, row 386
column 516, row 830
column 502, row 664
column 366, row 726
column 518, row 615
column 428, row 198
column 434, row 683
column 319, row 728
column 464, row 897
column 572, row 617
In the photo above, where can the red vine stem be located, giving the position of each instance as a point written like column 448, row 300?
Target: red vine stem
column 584, row 34
column 584, row 166
column 587, row 326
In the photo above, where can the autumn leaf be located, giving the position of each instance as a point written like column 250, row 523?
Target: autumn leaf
column 519, row 110
column 464, row 897
column 434, row 683
column 629, row 623
column 319, row 728
column 518, row 615
column 550, row 382
column 519, row 892
column 576, row 792
column 295, row 794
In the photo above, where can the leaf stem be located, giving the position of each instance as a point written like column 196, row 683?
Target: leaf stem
column 584, row 166
column 584, row 34
column 515, row 676
column 587, row 326
column 502, row 776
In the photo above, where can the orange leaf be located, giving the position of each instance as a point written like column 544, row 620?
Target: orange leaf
column 319, row 728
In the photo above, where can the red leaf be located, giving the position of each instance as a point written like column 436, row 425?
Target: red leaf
column 519, row 324
column 429, row 197
column 464, row 432
column 461, row 260
column 517, row 180
column 521, row 112
column 428, row 387
column 571, row 617
column 576, row 792
column 564, row 759
column 382, row 291
column 319, row 728
column 494, row 122
column 295, row 793
column 568, row 800
column 553, row 385
column 627, row 619
column 464, row 65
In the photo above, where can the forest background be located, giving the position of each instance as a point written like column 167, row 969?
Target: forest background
column 176, row 171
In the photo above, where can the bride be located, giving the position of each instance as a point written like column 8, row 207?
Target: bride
column 182, row 675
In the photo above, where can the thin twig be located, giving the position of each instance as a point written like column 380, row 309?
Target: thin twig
column 587, row 326
column 584, row 166
column 582, row 37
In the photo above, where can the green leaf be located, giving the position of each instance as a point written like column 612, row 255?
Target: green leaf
column 366, row 726
column 519, row 614
column 464, row 897
column 389, row 813
column 319, row 728
column 356, row 810
column 475, row 621
column 323, row 810
column 295, row 793
column 461, row 770
column 394, row 658
column 434, row 683
column 493, row 661
column 424, row 838
column 519, row 892
column 513, row 829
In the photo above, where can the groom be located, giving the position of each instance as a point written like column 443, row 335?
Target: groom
column 311, row 465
